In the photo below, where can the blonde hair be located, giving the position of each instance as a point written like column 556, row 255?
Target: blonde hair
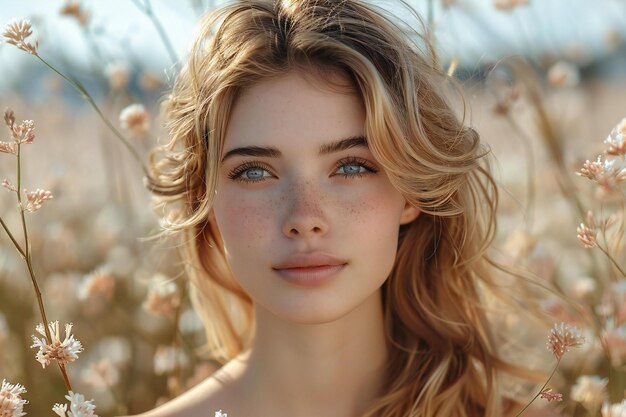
column 444, row 360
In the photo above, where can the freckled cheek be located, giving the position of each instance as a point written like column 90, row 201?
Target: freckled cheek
column 376, row 208
column 244, row 220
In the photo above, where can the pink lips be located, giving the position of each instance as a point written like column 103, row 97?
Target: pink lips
column 309, row 269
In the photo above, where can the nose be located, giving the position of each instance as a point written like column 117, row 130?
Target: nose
column 305, row 217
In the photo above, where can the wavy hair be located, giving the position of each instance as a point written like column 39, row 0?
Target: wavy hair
column 444, row 358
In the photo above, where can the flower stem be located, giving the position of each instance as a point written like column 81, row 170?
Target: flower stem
column 613, row 261
column 147, row 9
column 26, row 254
column 17, row 245
column 541, row 389
column 81, row 89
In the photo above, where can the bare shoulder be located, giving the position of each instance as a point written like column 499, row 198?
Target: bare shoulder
column 216, row 393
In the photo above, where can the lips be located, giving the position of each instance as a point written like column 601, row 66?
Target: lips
column 310, row 261
column 310, row 269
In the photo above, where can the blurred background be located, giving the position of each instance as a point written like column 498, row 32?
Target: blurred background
column 544, row 83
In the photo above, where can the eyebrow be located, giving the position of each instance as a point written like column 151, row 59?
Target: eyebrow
column 325, row 149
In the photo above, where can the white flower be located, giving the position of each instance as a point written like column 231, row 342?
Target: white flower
column 11, row 402
column 590, row 391
column 118, row 75
column 168, row 358
column 100, row 282
column 63, row 351
column 563, row 74
column 613, row 410
column 163, row 297
column 617, row 140
column 136, row 119
column 220, row 414
column 78, row 406
column 60, row 409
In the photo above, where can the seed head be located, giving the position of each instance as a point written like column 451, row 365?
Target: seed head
column 163, row 298
column 35, row 199
column 74, row 9
column 11, row 402
column 8, row 147
column 608, row 174
column 508, row 5
column 562, row 338
column 118, row 75
column 587, row 236
column 79, row 407
column 563, row 74
column 8, row 185
column 98, row 283
column 617, row 140
column 136, row 119
column 9, row 118
column 62, row 351
column 548, row 394
column 16, row 33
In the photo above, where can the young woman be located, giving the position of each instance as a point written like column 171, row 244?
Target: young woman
column 336, row 215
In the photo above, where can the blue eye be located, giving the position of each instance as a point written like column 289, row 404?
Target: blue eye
column 249, row 172
column 353, row 167
column 253, row 173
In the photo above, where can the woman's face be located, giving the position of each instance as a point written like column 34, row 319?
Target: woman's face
column 308, row 217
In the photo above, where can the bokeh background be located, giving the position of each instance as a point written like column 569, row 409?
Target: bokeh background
column 544, row 83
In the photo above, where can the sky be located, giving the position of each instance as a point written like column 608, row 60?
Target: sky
column 473, row 31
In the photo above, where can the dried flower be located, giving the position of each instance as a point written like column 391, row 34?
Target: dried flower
column 563, row 74
column 168, row 358
column 118, row 76
column 8, row 185
column 608, row 173
column 8, row 147
column 548, row 394
column 35, row 199
column 587, row 235
column 150, row 82
column 11, row 402
column 590, row 391
column 16, row 33
column 136, row 119
column 163, row 298
column 614, row 410
column 78, row 406
column 617, row 140
column 63, row 351
column 508, row 5
column 562, row 338
column 102, row 374
column 100, row 282
column 9, row 118
column 24, row 132
column 73, row 8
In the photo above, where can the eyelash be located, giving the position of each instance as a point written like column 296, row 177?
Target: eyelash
column 236, row 173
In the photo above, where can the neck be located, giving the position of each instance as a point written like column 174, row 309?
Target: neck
column 335, row 368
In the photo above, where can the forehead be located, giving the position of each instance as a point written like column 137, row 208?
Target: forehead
column 295, row 108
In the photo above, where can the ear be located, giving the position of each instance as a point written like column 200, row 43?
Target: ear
column 409, row 213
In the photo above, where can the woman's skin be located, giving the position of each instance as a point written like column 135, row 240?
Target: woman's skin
column 319, row 349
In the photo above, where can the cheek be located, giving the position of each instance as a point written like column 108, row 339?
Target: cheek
column 242, row 220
